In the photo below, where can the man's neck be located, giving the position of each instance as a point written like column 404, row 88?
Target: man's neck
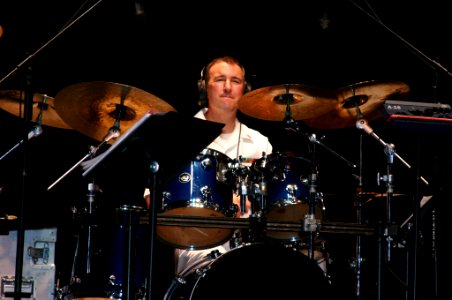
column 226, row 118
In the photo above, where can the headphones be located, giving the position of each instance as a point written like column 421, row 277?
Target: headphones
column 202, row 88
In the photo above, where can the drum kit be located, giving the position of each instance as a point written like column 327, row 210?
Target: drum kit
column 197, row 210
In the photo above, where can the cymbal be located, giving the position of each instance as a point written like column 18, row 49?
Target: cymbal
column 369, row 96
column 377, row 195
column 271, row 103
column 7, row 217
column 94, row 107
column 12, row 101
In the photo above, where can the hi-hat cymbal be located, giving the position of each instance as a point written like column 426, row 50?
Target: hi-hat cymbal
column 13, row 102
column 369, row 96
column 94, row 107
column 271, row 103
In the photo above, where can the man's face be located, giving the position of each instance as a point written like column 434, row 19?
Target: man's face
column 225, row 86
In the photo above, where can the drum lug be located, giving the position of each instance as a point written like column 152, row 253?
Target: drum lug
column 206, row 192
column 206, row 163
column 214, row 254
column 232, row 210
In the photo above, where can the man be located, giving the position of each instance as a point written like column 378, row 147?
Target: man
column 222, row 84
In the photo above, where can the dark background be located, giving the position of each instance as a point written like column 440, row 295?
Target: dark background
column 329, row 44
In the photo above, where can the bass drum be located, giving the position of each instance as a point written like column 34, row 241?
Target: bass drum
column 254, row 271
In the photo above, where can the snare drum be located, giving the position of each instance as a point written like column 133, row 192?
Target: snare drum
column 202, row 188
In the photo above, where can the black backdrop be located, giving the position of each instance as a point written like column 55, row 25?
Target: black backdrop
column 330, row 44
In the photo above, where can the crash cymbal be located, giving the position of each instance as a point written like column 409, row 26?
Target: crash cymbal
column 369, row 96
column 93, row 107
column 270, row 103
column 12, row 101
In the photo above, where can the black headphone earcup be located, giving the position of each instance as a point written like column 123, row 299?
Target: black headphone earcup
column 202, row 98
column 247, row 88
column 202, row 88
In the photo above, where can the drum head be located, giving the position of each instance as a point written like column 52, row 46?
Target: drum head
column 258, row 271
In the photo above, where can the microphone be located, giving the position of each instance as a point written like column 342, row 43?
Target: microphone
column 139, row 8
column 34, row 132
column 113, row 132
column 362, row 124
column 313, row 138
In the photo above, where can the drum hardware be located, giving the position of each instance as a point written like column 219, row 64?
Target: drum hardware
column 240, row 173
column 244, row 223
column 258, row 190
column 388, row 178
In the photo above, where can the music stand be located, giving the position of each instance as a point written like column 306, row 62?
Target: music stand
column 169, row 142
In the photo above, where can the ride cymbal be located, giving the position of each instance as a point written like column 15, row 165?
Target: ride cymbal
column 43, row 111
column 271, row 103
column 93, row 108
column 369, row 96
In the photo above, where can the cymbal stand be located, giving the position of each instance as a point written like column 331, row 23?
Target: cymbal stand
column 153, row 209
column 20, row 230
column 310, row 223
column 259, row 189
column 358, row 260
column 258, row 195
column 240, row 173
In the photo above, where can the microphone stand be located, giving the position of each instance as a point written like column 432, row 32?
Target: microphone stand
column 390, row 230
column 34, row 132
column 153, row 209
column 27, row 118
column 23, row 62
column 429, row 61
column 114, row 132
column 28, row 112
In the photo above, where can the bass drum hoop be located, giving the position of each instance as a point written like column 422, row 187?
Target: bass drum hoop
column 252, row 271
